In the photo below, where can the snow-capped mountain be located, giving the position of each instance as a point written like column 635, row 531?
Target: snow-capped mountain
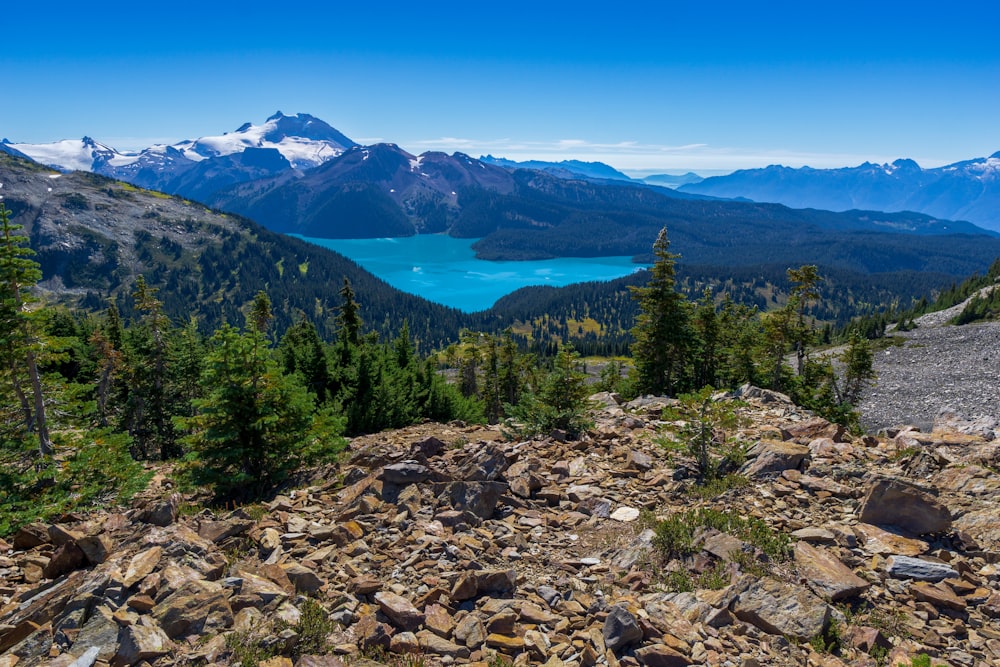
column 196, row 168
column 304, row 140
column 74, row 154
column 967, row 190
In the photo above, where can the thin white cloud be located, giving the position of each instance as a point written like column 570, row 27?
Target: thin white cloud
column 647, row 158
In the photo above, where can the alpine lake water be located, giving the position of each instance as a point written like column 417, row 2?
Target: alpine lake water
column 445, row 269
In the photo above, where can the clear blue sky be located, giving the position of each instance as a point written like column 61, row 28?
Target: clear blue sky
column 657, row 86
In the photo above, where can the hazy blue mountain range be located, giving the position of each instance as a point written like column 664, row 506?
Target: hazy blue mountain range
column 592, row 170
column 564, row 168
column 967, row 190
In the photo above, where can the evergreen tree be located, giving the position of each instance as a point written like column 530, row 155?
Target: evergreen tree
column 560, row 402
column 146, row 416
column 662, row 332
column 20, row 343
column 254, row 424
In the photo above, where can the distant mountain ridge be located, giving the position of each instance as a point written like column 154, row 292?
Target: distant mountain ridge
column 564, row 168
column 967, row 190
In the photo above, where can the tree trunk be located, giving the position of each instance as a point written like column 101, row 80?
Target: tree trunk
column 41, row 425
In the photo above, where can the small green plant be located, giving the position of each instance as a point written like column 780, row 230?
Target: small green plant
column 880, row 654
column 715, row 578
column 497, row 660
column 247, row 647
column 675, row 535
column 750, row 564
column 714, row 488
column 705, row 433
column 313, row 629
column 679, row 581
column 921, row 660
column 829, row 640
column 891, row 623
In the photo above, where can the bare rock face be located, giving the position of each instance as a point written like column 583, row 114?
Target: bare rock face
column 893, row 502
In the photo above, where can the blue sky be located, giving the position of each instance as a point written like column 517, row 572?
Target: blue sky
column 650, row 87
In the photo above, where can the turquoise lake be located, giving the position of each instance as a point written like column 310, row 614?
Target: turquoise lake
column 445, row 270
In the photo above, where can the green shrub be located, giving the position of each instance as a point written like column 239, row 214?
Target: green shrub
column 98, row 471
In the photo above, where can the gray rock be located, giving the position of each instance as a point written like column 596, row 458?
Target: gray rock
column 621, row 629
column 781, row 608
column 905, row 567
column 775, row 456
column 480, row 498
column 405, row 472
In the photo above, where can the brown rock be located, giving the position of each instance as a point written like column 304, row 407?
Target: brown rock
column 810, row 429
column 139, row 643
column 60, row 535
column 893, row 502
column 438, row 620
column 141, row 565
column 365, row 584
column 660, row 655
column 470, row 631
column 95, row 547
column 436, row 645
column 826, row 575
column 217, row 531
column 193, row 608
column 304, row 579
column 879, row 541
column 505, row 644
column 938, row 595
column 30, row 536
column 781, row 608
column 66, row 558
column 399, row 610
column 161, row 513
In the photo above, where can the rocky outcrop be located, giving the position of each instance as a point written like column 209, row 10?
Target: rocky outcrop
column 448, row 542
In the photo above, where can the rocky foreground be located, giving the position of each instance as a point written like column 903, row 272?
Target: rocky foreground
column 448, row 544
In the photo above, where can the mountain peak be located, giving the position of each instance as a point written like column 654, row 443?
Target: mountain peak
column 996, row 155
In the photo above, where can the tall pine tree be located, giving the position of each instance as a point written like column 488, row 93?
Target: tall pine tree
column 663, row 334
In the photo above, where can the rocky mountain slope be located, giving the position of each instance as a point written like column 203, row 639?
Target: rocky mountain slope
column 967, row 190
column 448, row 544
column 937, row 370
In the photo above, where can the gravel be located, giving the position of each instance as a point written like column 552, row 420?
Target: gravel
column 939, row 367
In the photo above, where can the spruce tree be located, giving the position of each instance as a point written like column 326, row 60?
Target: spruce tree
column 662, row 333
column 255, row 423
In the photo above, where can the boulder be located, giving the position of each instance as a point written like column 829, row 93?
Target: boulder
column 782, row 608
column 621, row 629
column 400, row 611
column 893, row 502
column 905, row 567
column 826, row 575
column 775, row 456
column 192, row 609
column 479, row 498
